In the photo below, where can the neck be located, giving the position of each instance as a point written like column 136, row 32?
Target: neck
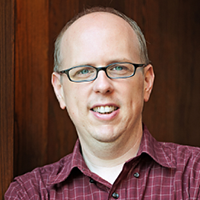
column 107, row 159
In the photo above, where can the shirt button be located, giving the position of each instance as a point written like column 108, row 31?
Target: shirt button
column 115, row 195
column 136, row 175
column 92, row 180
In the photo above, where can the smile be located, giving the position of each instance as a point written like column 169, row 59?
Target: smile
column 105, row 109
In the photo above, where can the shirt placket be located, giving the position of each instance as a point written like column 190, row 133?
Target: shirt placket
column 131, row 172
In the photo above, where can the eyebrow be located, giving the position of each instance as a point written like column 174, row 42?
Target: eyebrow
column 107, row 63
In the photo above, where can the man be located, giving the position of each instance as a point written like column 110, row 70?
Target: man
column 103, row 77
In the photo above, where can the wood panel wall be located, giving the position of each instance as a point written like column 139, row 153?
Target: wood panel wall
column 6, row 93
column 33, row 129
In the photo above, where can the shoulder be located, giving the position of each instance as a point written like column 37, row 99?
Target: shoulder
column 185, row 158
column 35, row 182
column 170, row 155
column 180, row 152
column 187, row 170
column 45, row 173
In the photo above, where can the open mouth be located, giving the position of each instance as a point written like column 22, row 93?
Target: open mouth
column 104, row 109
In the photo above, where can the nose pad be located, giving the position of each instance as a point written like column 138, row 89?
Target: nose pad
column 101, row 69
column 103, row 83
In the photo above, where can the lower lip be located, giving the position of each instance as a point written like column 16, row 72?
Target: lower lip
column 106, row 117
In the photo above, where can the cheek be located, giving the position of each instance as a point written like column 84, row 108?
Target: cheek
column 134, row 89
column 134, row 95
column 75, row 101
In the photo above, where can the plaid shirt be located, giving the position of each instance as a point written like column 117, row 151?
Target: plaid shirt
column 159, row 171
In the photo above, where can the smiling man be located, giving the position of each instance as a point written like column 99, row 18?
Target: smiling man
column 105, row 105
column 102, row 76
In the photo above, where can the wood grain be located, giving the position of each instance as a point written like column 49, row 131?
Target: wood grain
column 31, row 84
column 61, row 131
column 6, row 93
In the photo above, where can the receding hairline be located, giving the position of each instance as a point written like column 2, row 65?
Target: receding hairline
column 95, row 13
column 80, row 19
column 133, row 25
column 99, row 20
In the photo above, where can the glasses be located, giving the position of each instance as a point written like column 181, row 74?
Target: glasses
column 86, row 73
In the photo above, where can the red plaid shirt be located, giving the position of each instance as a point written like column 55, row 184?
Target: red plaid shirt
column 159, row 171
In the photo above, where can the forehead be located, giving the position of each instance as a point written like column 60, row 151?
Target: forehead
column 103, row 18
column 97, row 20
column 99, row 29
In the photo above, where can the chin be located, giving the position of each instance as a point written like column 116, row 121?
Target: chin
column 106, row 136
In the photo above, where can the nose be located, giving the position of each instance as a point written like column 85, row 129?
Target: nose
column 103, row 84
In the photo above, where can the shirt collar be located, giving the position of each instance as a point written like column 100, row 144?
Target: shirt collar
column 67, row 164
column 156, row 150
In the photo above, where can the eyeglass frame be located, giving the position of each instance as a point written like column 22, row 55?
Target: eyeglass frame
column 66, row 71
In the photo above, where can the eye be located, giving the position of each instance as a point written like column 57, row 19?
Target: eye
column 118, row 68
column 83, row 71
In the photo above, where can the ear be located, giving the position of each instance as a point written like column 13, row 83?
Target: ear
column 148, row 81
column 58, row 88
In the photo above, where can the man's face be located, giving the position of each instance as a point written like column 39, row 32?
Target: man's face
column 104, row 110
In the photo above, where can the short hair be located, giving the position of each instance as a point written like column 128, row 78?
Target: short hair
column 132, row 23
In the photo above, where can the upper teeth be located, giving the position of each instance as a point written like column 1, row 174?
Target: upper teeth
column 104, row 109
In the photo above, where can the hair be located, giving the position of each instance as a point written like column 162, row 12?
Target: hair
column 132, row 23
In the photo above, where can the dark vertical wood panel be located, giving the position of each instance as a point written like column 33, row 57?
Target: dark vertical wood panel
column 176, row 114
column 31, row 84
column 6, row 93
column 62, row 134
column 119, row 5
column 187, row 81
